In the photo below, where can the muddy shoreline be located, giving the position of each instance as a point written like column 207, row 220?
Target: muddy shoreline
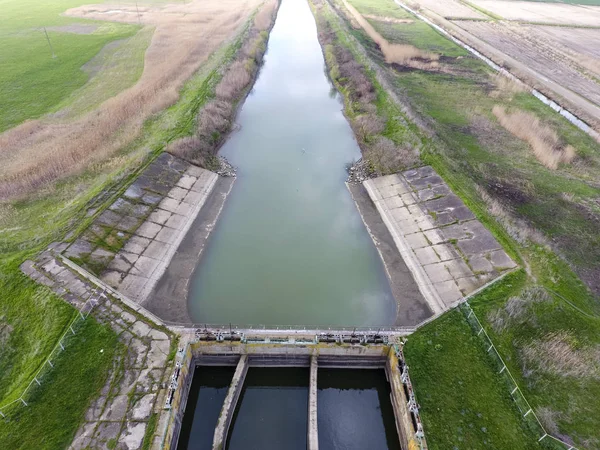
column 412, row 308
column 168, row 299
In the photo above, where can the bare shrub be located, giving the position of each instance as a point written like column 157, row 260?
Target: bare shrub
column 234, row 81
column 517, row 309
column 255, row 46
column 560, row 353
column 264, row 17
column 544, row 141
column 385, row 157
column 548, row 417
column 353, row 74
column 368, row 125
column 214, row 117
column 185, row 147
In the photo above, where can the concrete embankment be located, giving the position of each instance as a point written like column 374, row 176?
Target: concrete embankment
column 147, row 223
column 448, row 251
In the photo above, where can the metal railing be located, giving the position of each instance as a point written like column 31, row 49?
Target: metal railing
column 296, row 329
column 517, row 395
column 47, row 365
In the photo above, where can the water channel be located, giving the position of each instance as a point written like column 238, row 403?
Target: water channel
column 272, row 411
column 355, row 410
column 208, row 391
column 290, row 247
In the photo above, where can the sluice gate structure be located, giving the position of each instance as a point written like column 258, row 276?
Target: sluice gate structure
column 327, row 350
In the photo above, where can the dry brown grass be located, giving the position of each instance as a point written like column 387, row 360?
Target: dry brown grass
column 517, row 308
column 561, row 354
column 505, row 86
column 543, row 140
column 39, row 152
column 402, row 54
column 387, row 19
column 519, row 230
column 216, row 117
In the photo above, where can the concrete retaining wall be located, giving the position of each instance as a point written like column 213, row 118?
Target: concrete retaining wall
column 233, row 394
column 185, row 370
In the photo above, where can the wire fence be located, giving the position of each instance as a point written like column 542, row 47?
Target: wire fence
column 527, row 412
column 61, row 344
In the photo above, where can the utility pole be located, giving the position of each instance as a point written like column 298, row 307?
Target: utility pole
column 49, row 43
column 138, row 12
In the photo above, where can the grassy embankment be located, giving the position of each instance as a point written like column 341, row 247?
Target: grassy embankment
column 57, row 407
column 31, row 317
column 33, row 83
column 530, row 208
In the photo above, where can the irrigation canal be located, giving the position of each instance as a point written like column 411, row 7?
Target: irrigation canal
column 290, row 246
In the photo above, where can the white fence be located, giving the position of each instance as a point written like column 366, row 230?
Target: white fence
column 48, row 365
column 515, row 391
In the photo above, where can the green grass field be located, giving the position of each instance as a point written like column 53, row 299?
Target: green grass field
column 472, row 151
column 560, row 397
column 463, row 401
column 32, row 82
column 59, row 405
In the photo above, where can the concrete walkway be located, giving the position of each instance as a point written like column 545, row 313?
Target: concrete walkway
column 134, row 389
column 448, row 251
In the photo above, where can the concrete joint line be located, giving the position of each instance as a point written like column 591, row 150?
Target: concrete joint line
column 423, row 282
column 130, row 303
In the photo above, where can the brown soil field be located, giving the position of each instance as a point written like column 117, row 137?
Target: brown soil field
column 39, row 152
column 581, row 44
column 556, row 13
column 547, row 57
column 450, row 9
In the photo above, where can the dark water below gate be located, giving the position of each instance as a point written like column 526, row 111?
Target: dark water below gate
column 354, row 410
column 290, row 247
column 205, row 400
column 272, row 412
